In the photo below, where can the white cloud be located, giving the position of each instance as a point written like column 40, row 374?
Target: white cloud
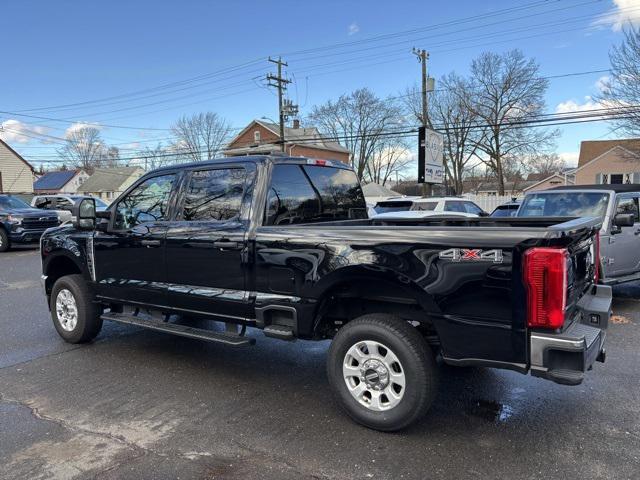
column 571, row 106
column 570, row 158
column 18, row 132
column 353, row 28
column 602, row 83
column 79, row 126
column 623, row 13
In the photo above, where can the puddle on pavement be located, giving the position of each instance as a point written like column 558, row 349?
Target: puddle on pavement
column 491, row 411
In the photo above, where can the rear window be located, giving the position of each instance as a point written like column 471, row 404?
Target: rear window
column 386, row 207
column 505, row 211
column 308, row 194
column 564, row 204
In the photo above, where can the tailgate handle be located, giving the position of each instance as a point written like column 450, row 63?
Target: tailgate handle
column 150, row 243
column 226, row 244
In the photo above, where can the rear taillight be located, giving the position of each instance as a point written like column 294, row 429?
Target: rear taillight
column 545, row 276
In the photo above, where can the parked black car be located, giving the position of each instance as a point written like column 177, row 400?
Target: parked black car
column 508, row 209
column 284, row 245
column 19, row 223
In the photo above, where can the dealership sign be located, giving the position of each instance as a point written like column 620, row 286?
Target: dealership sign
column 430, row 155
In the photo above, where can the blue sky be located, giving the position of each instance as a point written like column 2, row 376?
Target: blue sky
column 67, row 52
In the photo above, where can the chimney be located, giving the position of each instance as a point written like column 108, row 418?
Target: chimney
column 296, row 123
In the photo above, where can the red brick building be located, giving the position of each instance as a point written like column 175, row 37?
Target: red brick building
column 259, row 138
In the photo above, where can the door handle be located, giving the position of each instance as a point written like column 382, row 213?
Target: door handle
column 226, row 245
column 150, row 243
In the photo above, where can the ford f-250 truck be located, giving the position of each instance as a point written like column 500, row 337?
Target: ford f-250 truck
column 284, row 245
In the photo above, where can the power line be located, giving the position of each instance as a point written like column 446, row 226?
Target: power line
column 410, row 131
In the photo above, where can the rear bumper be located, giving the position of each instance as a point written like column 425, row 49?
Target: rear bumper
column 565, row 357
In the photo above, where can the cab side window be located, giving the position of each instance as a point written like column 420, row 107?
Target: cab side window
column 148, row 202
column 214, row 195
column 454, row 206
column 628, row 205
column 471, row 207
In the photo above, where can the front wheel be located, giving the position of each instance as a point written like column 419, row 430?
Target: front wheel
column 75, row 316
column 5, row 243
column 382, row 372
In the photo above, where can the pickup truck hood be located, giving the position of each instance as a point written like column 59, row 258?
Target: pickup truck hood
column 30, row 213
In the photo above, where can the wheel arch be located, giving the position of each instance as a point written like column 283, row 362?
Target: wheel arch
column 355, row 291
column 58, row 266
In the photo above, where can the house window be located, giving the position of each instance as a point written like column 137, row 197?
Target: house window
column 616, row 178
column 256, row 136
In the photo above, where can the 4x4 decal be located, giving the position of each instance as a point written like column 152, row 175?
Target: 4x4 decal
column 472, row 254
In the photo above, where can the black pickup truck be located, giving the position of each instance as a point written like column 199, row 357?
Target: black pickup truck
column 284, row 245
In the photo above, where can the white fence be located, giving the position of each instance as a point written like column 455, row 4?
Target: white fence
column 488, row 202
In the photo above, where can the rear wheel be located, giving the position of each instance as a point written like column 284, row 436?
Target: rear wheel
column 5, row 243
column 75, row 316
column 382, row 372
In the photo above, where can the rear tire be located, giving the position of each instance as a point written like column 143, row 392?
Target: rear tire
column 5, row 243
column 75, row 316
column 382, row 372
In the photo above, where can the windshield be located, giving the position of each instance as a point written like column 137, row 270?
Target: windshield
column 564, row 204
column 8, row 202
column 100, row 203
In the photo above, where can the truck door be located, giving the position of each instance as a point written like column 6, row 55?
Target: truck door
column 206, row 244
column 625, row 247
column 129, row 256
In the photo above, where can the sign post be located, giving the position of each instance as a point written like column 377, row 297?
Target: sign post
column 430, row 156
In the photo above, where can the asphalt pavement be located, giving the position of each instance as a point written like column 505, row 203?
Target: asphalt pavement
column 139, row 404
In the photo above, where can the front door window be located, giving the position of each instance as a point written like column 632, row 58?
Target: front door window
column 148, row 202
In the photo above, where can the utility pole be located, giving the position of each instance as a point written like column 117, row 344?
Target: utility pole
column 423, row 56
column 280, row 83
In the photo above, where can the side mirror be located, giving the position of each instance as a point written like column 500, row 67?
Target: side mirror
column 41, row 203
column 624, row 220
column 484, row 214
column 84, row 214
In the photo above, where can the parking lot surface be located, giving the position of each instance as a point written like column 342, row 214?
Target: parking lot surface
column 139, row 404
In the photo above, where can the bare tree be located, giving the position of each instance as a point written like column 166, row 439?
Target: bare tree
column 390, row 158
column 201, row 136
column 155, row 157
column 83, row 148
column 545, row 164
column 452, row 117
column 507, row 92
column 622, row 89
column 360, row 121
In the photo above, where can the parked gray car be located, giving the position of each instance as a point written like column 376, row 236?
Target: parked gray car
column 617, row 205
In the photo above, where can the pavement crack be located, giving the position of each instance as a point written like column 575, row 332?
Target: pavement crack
column 74, row 428
column 49, row 355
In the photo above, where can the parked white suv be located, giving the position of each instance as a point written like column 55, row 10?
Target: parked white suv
column 422, row 207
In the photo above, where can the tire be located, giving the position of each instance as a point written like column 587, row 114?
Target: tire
column 72, row 291
column 403, row 353
column 5, row 243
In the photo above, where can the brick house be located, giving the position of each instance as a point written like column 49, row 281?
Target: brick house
column 259, row 138
column 608, row 162
column 16, row 174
